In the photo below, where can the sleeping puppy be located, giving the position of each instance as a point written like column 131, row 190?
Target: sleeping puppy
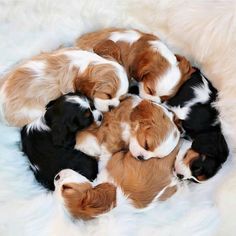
column 48, row 142
column 27, row 89
column 194, row 106
column 146, row 58
column 124, row 182
column 144, row 127
column 200, row 159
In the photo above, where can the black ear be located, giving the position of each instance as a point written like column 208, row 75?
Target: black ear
column 50, row 104
column 212, row 144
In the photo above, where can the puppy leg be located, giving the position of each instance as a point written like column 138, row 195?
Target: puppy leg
column 88, row 144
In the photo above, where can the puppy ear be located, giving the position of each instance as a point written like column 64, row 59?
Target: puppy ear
column 185, row 66
column 108, row 48
column 85, row 202
column 59, row 134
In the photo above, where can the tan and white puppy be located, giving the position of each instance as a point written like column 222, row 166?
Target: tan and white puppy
column 32, row 84
column 125, row 182
column 145, row 128
column 148, row 60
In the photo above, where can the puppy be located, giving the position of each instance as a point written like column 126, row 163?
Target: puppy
column 145, row 128
column 200, row 159
column 194, row 106
column 148, row 60
column 48, row 142
column 143, row 183
column 32, row 84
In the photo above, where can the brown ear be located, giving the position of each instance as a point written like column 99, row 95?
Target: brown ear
column 185, row 66
column 85, row 202
column 108, row 48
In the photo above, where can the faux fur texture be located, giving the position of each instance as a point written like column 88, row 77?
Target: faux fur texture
column 203, row 30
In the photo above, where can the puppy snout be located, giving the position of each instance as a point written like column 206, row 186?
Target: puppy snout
column 57, row 177
column 110, row 107
column 100, row 117
column 140, row 157
column 180, row 176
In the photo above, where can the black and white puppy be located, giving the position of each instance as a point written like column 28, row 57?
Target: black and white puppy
column 194, row 106
column 49, row 141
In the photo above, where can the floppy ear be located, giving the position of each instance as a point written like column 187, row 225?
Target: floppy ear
column 212, row 144
column 108, row 48
column 85, row 202
column 185, row 66
column 59, row 134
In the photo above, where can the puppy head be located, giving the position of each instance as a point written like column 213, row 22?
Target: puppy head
column 81, row 199
column 68, row 114
column 104, row 84
column 203, row 158
column 159, row 72
column 153, row 132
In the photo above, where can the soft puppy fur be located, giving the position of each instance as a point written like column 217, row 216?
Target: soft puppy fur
column 144, row 127
column 48, row 142
column 142, row 183
column 146, row 59
column 194, row 106
column 32, row 84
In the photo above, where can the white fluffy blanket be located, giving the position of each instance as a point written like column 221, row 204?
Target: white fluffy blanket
column 202, row 30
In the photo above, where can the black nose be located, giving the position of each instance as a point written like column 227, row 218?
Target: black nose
column 57, row 177
column 140, row 157
column 100, row 118
column 180, row 176
column 111, row 107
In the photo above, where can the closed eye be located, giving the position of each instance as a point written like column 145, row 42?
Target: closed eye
column 146, row 147
column 108, row 95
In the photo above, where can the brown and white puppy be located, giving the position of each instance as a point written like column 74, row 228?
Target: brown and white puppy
column 125, row 182
column 145, row 128
column 148, row 60
column 32, row 84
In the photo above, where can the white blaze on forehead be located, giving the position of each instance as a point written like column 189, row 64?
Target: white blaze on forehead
column 125, row 127
column 82, row 101
column 69, row 176
column 180, row 167
column 170, row 79
column 157, row 45
column 129, row 36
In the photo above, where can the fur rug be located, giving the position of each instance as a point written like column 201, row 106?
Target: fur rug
column 204, row 31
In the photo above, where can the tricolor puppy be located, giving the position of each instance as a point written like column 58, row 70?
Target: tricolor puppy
column 201, row 159
column 32, row 84
column 194, row 106
column 49, row 141
column 144, row 127
column 143, row 183
column 145, row 57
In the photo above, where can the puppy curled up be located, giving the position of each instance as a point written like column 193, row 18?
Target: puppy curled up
column 49, row 141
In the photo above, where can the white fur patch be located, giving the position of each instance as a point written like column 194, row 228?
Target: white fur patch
column 89, row 146
column 157, row 45
column 136, row 100
column 202, row 95
column 37, row 67
column 31, row 113
column 38, row 124
column 180, row 167
column 129, row 36
column 97, row 115
column 83, row 102
column 125, row 127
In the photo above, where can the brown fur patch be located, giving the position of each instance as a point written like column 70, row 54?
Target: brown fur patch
column 141, row 181
column 150, row 125
column 98, row 81
column 86, row 202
